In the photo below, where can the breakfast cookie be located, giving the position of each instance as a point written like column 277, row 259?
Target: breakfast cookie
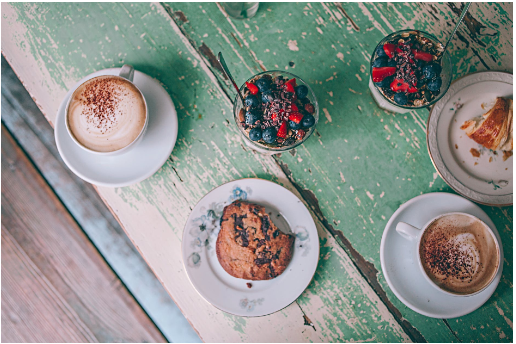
column 249, row 245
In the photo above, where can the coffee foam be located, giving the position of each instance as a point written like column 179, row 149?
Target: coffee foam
column 106, row 113
column 459, row 254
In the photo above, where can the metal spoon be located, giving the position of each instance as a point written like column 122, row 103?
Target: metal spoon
column 228, row 74
column 462, row 15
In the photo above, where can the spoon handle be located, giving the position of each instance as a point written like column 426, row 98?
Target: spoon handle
column 462, row 15
column 228, row 74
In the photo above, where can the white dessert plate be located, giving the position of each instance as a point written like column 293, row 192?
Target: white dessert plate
column 230, row 294
column 400, row 267
column 486, row 179
column 138, row 163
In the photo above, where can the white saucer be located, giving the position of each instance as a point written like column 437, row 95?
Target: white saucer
column 231, row 294
column 486, row 179
column 138, row 163
column 399, row 258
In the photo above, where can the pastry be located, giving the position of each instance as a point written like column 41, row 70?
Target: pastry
column 493, row 130
column 249, row 245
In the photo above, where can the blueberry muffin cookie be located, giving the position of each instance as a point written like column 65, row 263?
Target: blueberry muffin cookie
column 249, row 245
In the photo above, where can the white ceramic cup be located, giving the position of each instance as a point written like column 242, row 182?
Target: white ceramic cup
column 126, row 72
column 415, row 234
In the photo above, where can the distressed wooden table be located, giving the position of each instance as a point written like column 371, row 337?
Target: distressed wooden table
column 356, row 170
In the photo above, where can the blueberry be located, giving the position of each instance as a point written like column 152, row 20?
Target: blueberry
column 251, row 117
column 391, row 63
column 255, row 134
column 431, row 70
column 385, row 82
column 267, row 96
column 380, row 52
column 380, row 62
column 421, row 82
column 420, row 64
column 294, row 125
column 262, row 84
column 308, row 121
column 269, row 135
column 435, row 84
column 301, row 91
column 401, row 98
column 251, row 101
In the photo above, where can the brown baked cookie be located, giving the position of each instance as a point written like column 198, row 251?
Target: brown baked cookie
column 249, row 245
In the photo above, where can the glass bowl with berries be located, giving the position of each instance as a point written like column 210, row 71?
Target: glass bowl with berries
column 410, row 70
column 280, row 111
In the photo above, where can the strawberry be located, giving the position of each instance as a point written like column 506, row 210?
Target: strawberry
column 295, row 117
column 419, row 55
column 389, row 49
column 289, row 87
column 292, row 81
column 274, row 116
column 282, row 131
column 381, row 73
column 398, row 50
column 398, row 85
column 412, row 89
column 294, row 108
column 251, row 87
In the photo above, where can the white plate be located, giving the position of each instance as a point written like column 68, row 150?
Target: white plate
column 486, row 179
column 141, row 161
column 231, row 294
column 400, row 267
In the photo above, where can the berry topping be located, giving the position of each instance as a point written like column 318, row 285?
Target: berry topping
column 289, row 87
column 401, row 98
column 251, row 87
column 431, row 70
column 251, row 101
column 389, row 49
column 419, row 55
column 398, row 85
column 295, row 117
column 308, row 121
column 301, row 91
column 385, row 82
column 309, row 108
column 380, row 52
column 435, row 84
column 255, row 134
column 282, row 131
column 294, row 108
column 412, row 89
column 251, row 117
column 381, row 62
column 294, row 125
column 300, row 134
column 267, row 96
column 274, row 116
column 381, row 73
column 391, row 63
column 292, row 82
column 269, row 135
column 262, row 84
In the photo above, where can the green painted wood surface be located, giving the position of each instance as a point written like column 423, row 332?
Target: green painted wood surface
column 359, row 166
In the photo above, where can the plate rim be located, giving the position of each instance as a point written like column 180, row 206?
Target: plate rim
column 58, row 121
column 183, row 246
column 383, row 263
column 433, row 159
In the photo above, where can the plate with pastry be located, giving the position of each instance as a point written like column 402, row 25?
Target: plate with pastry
column 470, row 137
column 250, row 247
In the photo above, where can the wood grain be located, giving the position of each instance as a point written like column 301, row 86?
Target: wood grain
column 55, row 285
column 356, row 170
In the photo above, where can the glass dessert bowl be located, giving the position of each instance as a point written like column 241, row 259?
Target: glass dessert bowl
column 409, row 71
column 279, row 113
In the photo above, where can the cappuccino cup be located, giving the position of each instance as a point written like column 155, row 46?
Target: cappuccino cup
column 107, row 115
column 457, row 252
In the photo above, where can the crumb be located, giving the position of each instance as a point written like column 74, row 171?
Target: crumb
column 474, row 152
column 456, row 147
column 475, row 164
column 506, row 155
column 249, row 285
column 490, row 159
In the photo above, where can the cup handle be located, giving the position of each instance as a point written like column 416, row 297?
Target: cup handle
column 408, row 231
column 127, row 72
